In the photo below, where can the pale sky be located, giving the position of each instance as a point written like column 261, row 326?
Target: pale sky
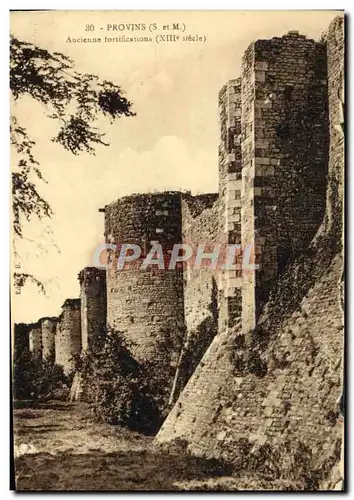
column 172, row 143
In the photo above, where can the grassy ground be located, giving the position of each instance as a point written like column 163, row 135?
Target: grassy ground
column 58, row 448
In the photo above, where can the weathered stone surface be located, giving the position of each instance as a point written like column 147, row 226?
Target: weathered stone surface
column 20, row 344
column 230, row 186
column 146, row 305
column 68, row 335
column 35, row 340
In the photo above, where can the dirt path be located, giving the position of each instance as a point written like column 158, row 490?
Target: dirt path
column 58, row 448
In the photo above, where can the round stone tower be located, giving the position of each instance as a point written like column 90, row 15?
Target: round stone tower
column 20, row 340
column 68, row 335
column 35, row 340
column 48, row 326
column 145, row 305
column 93, row 305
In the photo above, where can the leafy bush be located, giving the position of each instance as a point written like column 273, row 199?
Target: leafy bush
column 34, row 378
column 118, row 389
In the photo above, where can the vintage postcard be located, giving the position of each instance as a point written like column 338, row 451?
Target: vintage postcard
column 178, row 250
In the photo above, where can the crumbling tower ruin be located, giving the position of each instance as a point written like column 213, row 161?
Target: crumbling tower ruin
column 68, row 335
column 93, row 305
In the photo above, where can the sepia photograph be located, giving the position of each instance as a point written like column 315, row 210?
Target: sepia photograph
column 177, row 250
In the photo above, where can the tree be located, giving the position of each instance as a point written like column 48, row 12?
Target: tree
column 74, row 100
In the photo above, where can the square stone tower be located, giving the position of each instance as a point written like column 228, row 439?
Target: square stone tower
column 68, row 335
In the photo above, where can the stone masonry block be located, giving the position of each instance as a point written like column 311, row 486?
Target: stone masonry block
column 261, row 66
column 260, row 240
column 236, row 214
column 268, row 171
column 232, row 195
column 259, row 171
